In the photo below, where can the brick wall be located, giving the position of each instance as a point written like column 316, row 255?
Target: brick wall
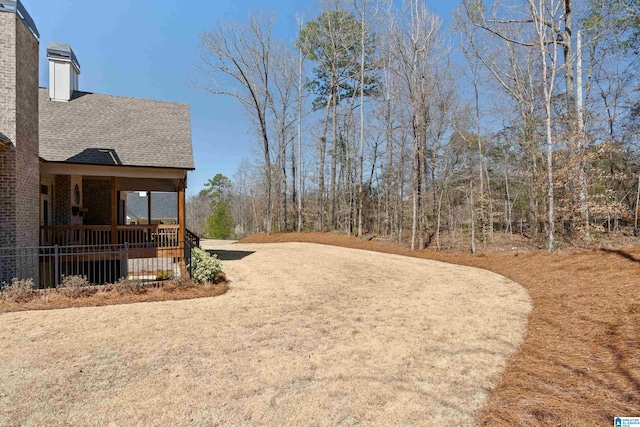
column 19, row 163
column 27, row 141
column 8, row 74
column 7, row 197
column 61, row 204
column 96, row 198
column 8, row 128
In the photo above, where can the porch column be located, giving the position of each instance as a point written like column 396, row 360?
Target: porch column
column 114, row 212
column 181, row 210
column 149, row 208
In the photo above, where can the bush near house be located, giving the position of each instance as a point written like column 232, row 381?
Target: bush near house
column 205, row 268
column 18, row 290
column 129, row 286
column 76, row 291
column 75, row 286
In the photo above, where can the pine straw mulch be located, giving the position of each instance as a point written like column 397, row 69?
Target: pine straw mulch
column 580, row 361
column 98, row 296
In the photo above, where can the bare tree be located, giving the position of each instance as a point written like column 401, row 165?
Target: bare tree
column 299, row 107
column 366, row 19
column 236, row 60
column 546, row 18
column 197, row 211
column 396, row 145
column 281, row 104
column 542, row 12
column 415, row 46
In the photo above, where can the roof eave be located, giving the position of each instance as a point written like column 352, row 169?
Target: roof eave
column 4, row 140
column 62, row 162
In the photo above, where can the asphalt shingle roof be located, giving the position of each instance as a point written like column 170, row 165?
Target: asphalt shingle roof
column 115, row 130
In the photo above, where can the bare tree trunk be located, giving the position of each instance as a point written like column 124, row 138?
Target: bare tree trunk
column 584, row 206
column 509, row 219
column 267, row 168
column 323, row 149
column 300, row 89
column 483, row 222
column 334, row 162
column 416, row 196
column 400, row 190
column 635, row 228
column 283, row 155
column 361, row 159
column 294, row 179
column 548, row 74
column 438, row 220
column 567, row 45
column 390, row 223
column 473, row 218
column 550, row 197
column 549, row 136
column 533, row 199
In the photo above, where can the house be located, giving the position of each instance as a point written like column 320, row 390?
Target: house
column 69, row 158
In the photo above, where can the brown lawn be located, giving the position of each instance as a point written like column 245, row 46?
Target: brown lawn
column 306, row 335
column 580, row 362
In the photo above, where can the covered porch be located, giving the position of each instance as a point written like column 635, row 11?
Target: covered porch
column 93, row 206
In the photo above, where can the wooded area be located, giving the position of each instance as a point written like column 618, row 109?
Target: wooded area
column 520, row 118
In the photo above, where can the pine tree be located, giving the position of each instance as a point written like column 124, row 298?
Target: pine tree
column 220, row 223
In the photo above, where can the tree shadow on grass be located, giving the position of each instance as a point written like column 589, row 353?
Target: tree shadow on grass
column 622, row 254
column 229, row 255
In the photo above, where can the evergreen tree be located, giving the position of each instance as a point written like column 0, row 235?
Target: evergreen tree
column 220, row 223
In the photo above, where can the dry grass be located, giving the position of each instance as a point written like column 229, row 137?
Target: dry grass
column 307, row 335
column 97, row 296
column 580, row 362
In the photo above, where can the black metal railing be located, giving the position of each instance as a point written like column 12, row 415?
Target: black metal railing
column 100, row 264
column 192, row 237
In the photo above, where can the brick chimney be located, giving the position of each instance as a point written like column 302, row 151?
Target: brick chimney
column 64, row 70
column 19, row 161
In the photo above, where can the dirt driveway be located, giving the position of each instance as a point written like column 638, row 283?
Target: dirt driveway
column 307, row 335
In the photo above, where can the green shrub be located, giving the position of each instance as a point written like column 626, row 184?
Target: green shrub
column 163, row 275
column 18, row 290
column 74, row 286
column 205, row 268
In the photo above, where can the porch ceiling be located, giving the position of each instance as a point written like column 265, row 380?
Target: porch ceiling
column 113, row 171
column 139, row 184
column 146, row 184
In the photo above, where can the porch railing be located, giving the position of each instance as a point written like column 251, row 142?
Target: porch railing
column 192, row 237
column 162, row 235
column 69, row 235
column 100, row 264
